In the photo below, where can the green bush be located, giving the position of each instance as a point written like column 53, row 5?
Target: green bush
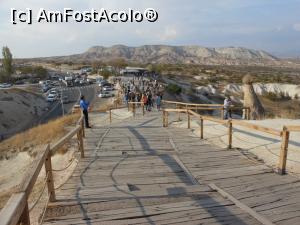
column 36, row 71
column 282, row 96
column 174, row 89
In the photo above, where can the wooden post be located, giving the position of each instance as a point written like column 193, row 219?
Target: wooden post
column 201, row 128
column 248, row 113
column 283, row 151
column 82, row 129
column 25, row 218
column 229, row 134
column 245, row 113
column 143, row 109
column 80, row 140
column 110, row 117
column 189, row 119
column 167, row 119
column 178, row 114
column 50, row 181
column 133, row 109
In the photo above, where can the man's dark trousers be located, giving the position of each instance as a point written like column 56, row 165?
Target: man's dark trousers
column 86, row 117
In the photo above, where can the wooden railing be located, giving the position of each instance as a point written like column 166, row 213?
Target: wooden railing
column 133, row 105
column 208, row 107
column 284, row 134
column 16, row 210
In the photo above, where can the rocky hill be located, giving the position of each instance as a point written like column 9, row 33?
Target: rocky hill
column 175, row 54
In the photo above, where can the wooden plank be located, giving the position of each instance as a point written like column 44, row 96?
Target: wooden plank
column 242, row 206
column 293, row 128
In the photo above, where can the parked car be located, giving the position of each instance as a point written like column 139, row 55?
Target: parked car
column 19, row 82
column 108, row 88
column 51, row 98
column 65, row 100
column 77, row 81
column 91, row 80
column 82, row 82
column 105, row 94
column 103, row 83
column 45, row 88
column 5, row 85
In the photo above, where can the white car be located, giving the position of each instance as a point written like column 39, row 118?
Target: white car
column 107, row 88
column 51, row 98
column 105, row 95
column 5, row 85
column 65, row 100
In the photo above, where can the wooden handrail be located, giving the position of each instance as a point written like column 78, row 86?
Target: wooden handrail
column 12, row 211
column 258, row 127
column 175, row 110
column 33, row 172
column 192, row 104
column 209, row 107
column 16, row 209
column 293, row 128
column 64, row 139
column 285, row 133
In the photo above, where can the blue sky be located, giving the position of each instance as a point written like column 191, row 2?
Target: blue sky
column 270, row 25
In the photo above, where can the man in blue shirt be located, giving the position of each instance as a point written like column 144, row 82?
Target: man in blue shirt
column 84, row 105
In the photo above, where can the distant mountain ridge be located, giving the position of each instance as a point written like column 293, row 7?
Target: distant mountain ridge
column 175, row 54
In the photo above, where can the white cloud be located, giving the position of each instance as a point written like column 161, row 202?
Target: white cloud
column 169, row 34
column 296, row 27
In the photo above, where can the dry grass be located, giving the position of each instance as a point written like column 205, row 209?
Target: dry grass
column 39, row 135
column 289, row 109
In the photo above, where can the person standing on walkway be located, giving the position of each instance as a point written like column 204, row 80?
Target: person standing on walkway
column 227, row 111
column 158, row 102
column 84, row 105
column 145, row 100
column 149, row 103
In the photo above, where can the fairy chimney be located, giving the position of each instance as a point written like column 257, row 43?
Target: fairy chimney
column 257, row 111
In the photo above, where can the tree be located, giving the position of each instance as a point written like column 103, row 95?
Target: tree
column 118, row 64
column 7, row 63
column 106, row 74
column 96, row 65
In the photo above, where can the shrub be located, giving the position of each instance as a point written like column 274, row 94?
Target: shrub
column 174, row 89
column 282, row 96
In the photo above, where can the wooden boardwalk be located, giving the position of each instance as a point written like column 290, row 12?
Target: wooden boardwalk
column 136, row 172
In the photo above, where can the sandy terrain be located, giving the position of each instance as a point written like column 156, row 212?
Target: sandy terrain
column 264, row 146
column 18, row 109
